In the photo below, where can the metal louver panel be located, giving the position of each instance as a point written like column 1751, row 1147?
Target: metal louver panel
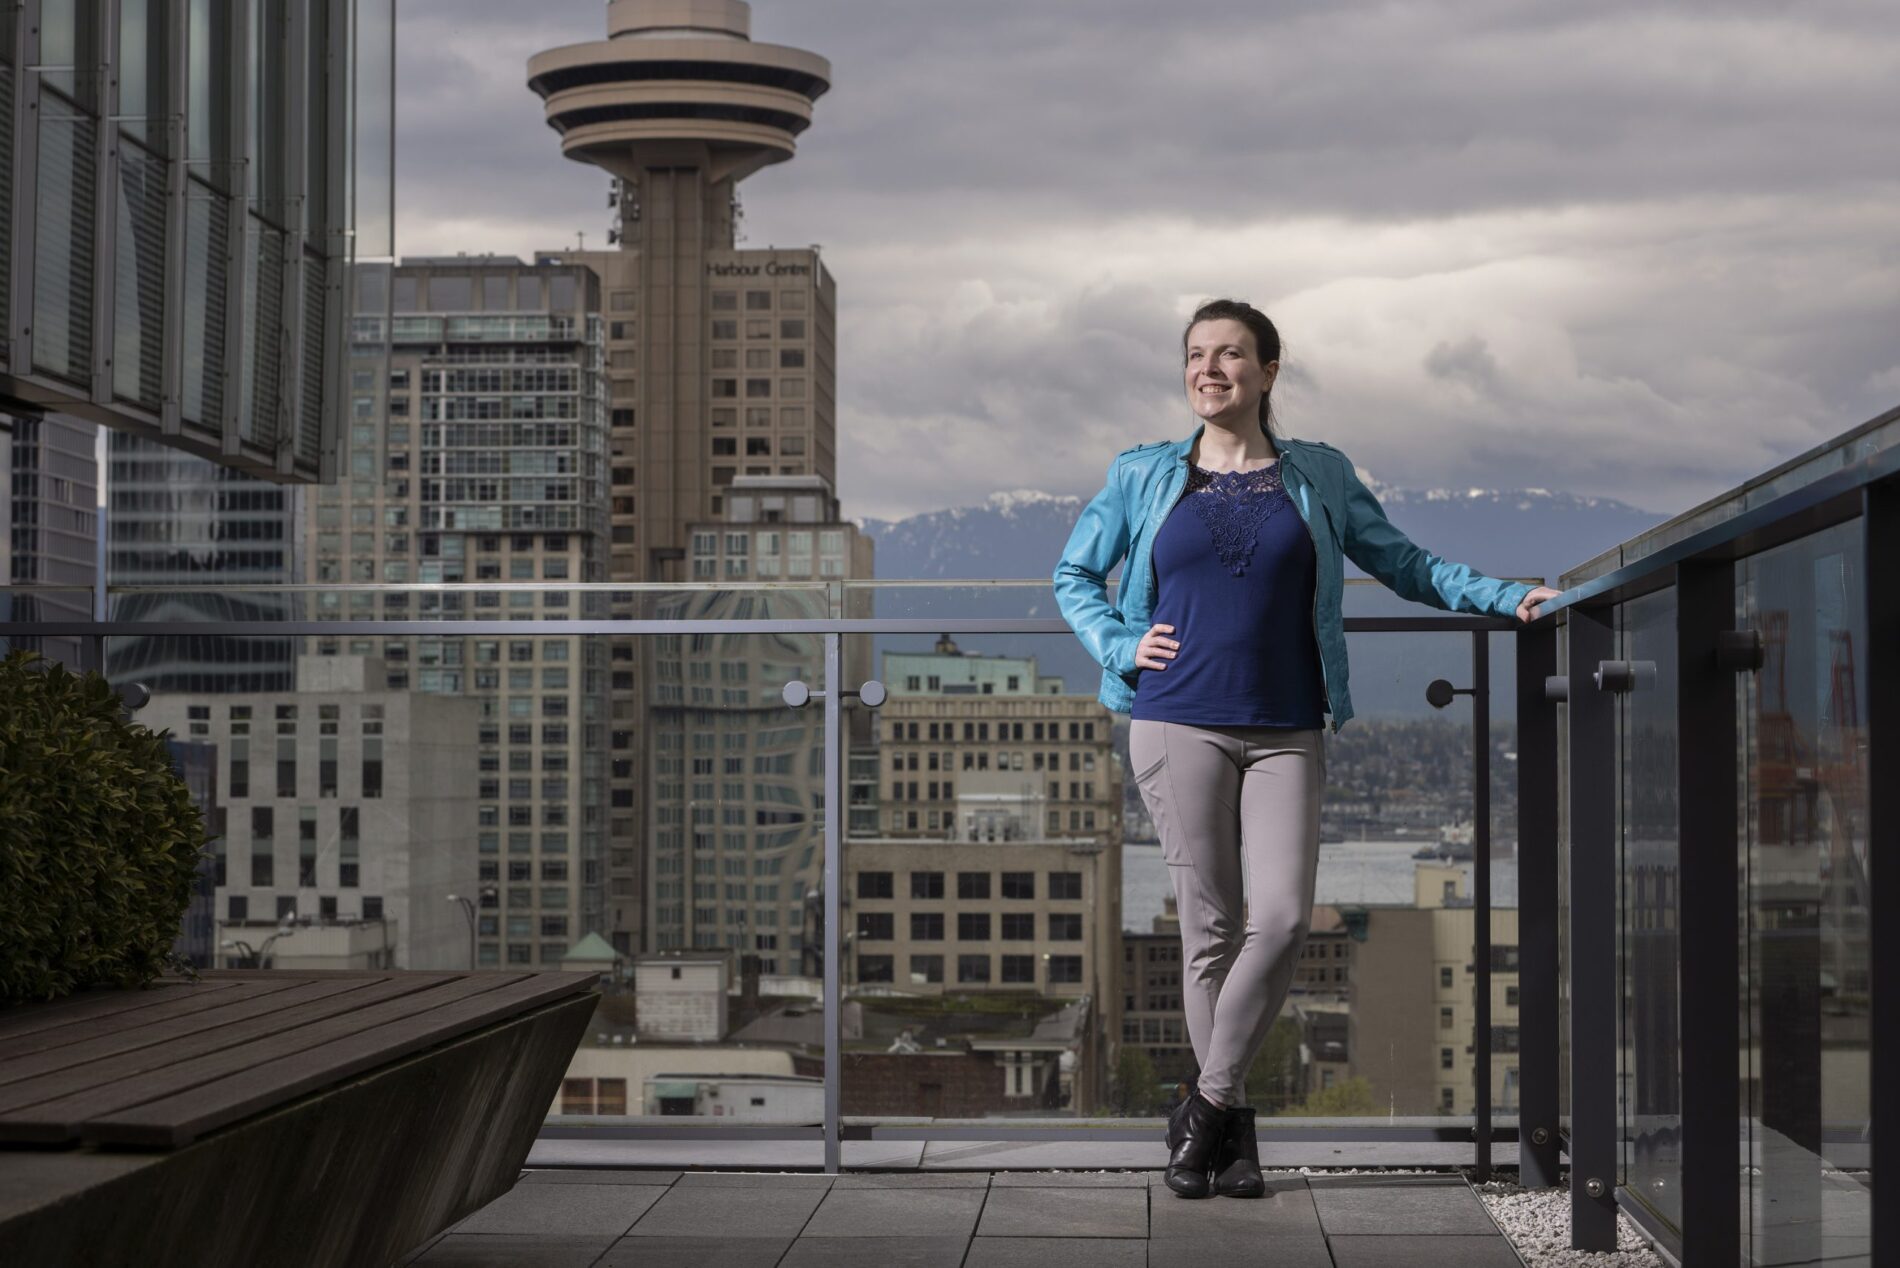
column 138, row 349
column 63, row 249
column 207, row 242
column 310, row 430
column 264, row 423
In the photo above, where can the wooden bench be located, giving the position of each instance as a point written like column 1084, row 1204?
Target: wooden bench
column 273, row 1117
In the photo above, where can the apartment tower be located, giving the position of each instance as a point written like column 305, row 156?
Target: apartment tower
column 720, row 359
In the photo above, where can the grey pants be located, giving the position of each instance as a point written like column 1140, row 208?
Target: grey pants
column 1234, row 807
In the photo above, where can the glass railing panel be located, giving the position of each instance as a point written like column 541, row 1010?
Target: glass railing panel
column 518, row 800
column 1650, row 1045
column 1807, row 1077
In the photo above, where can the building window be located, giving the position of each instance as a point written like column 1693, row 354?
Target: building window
column 876, row 968
column 876, row 926
column 1065, row 885
column 1019, row 885
column 1444, row 1058
column 973, row 926
column 926, row 884
column 1019, row 926
column 874, row 885
column 973, row 885
column 1065, row 926
column 1065, row 968
column 926, row 926
column 1444, row 1019
column 926, row 970
column 973, row 968
column 1019, row 968
column 1444, row 977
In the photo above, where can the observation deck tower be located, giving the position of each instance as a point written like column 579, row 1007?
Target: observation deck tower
column 680, row 105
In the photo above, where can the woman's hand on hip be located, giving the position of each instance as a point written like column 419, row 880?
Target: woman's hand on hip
column 1156, row 649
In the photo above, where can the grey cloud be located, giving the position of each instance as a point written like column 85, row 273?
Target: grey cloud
column 1611, row 249
column 1468, row 361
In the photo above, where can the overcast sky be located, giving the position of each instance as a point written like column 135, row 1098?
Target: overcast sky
column 1608, row 249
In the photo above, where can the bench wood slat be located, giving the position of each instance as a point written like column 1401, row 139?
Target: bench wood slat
column 26, row 1019
column 93, row 1029
column 262, row 1082
column 276, row 1038
column 80, row 1064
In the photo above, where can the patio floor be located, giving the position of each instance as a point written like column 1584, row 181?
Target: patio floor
column 968, row 1219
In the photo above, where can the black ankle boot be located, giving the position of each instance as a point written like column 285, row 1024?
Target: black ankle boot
column 1192, row 1159
column 1237, row 1164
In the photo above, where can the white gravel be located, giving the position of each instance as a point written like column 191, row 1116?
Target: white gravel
column 1538, row 1223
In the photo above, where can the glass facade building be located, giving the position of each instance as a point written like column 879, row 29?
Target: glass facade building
column 181, row 198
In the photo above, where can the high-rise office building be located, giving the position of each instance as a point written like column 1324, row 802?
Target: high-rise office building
column 476, row 453
column 721, row 360
column 736, row 778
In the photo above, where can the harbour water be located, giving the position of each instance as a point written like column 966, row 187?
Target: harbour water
column 1371, row 873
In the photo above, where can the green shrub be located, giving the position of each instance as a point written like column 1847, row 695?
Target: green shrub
column 99, row 837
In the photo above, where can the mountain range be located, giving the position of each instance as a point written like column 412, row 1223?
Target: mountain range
column 1020, row 533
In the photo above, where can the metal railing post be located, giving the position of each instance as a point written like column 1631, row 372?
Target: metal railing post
column 1481, row 896
column 1707, row 921
column 834, row 757
column 1537, row 911
column 1593, row 986
column 1880, row 542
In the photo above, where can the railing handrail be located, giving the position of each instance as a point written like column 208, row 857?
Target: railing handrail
column 1833, row 499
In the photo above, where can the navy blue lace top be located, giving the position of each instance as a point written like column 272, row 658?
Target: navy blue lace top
column 1234, row 572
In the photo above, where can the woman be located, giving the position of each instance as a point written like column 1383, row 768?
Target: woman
column 1227, row 649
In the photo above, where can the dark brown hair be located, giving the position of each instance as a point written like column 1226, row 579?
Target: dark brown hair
column 1266, row 339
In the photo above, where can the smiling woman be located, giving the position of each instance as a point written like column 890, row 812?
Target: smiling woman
column 1229, row 625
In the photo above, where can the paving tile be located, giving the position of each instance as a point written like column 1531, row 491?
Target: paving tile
column 1366, row 1251
column 564, row 1210
column 1282, row 1250
column 766, row 1211
column 753, row 1180
column 1070, row 1180
column 1058, row 1252
column 1284, row 1210
column 887, row 1212
column 479, row 1250
column 1044, row 1155
column 754, row 1154
column 1088, row 1213
column 875, row 1252
column 913, row 1180
column 695, row 1252
column 598, row 1175
column 1405, row 1205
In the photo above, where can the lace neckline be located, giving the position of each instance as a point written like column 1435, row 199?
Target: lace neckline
column 1233, row 505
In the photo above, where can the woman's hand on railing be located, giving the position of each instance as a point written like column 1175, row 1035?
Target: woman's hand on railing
column 1528, row 610
column 1156, row 649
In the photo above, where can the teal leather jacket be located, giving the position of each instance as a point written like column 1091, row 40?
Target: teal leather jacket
column 1343, row 516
